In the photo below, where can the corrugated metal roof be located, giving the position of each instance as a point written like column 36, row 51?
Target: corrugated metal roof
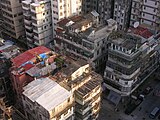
column 46, row 93
column 28, row 55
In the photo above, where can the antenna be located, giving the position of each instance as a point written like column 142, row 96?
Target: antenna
column 136, row 24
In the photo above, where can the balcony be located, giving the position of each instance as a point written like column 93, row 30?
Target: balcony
column 30, row 40
column 26, row 14
column 28, row 27
column 28, row 22
column 26, row 7
column 37, row 43
column 29, row 34
column 35, row 37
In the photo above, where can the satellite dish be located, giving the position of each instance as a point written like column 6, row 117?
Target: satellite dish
column 136, row 24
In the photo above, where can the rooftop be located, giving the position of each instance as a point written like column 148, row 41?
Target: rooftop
column 8, row 49
column 28, row 55
column 141, row 31
column 91, row 85
column 128, row 41
column 46, row 93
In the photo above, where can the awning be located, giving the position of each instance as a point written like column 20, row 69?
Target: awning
column 114, row 97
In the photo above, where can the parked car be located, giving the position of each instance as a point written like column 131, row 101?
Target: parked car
column 147, row 90
column 141, row 97
column 154, row 112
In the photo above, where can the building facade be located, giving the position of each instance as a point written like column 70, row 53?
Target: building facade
column 13, row 18
column 131, row 59
column 7, row 52
column 106, row 9
column 119, row 10
column 84, row 37
column 38, row 22
column 78, row 78
column 89, row 5
column 146, row 12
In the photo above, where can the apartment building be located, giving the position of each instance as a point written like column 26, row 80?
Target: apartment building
column 89, row 5
column 13, row 18
column 77, row 77
column 63, row 9
column 44, row 99
column 84, row 37
column 38, row 22
column 131, row 59
column 119, row 10
column 29, row 73
column 146, row 12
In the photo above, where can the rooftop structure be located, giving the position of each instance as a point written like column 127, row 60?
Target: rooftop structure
column 8, row 50
column 50, row 96
column 83, row 37
column 44, row 90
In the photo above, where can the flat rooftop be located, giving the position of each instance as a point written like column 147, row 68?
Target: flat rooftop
column 125, row 40
column 46, row 93
column 91, row 85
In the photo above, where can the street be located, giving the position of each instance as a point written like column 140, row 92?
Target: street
column 140, row 113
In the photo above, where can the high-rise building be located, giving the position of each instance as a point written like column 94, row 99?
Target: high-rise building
column 13, row 18
column 89, row 5
column 38, row 22
column 63, row 9
column 131, row 59
column 146, row 12
column 119, row 10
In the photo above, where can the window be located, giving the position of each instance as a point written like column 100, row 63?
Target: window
column 155, row 3
column 126, row 83
column 61, row 13
column 153, row 17
column 97, row 52
column 154, row 10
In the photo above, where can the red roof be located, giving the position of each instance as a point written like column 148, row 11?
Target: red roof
column 144, row 32
column 59, row 30
column 76, row 18
column 28, row 66
column 28, row 55
column 63, row 22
